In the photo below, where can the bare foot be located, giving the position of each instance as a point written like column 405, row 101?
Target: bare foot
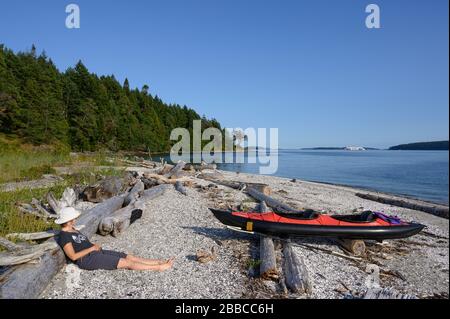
column 166, row 266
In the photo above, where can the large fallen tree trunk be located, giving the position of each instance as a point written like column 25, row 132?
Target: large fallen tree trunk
column 116, row 223
column 120, row 220
column 29, row 280
column 434, row 209
column 295, row 272
column 268, row 267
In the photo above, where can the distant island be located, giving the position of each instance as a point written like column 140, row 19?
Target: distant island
column 345, row 148
column 422, row 146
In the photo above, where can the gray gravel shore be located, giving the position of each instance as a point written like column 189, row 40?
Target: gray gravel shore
column 179, row 226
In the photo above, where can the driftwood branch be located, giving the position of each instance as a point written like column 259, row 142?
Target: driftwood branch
column 33, row 236
column 8, row 245
column 28, row 209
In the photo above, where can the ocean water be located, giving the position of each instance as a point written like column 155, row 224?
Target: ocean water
column 417, row 174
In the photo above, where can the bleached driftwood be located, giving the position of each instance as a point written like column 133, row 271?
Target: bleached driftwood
column 27, row 281
column 295, row 272
column 107, row 188
column 176, row 171
column 68, row 198
column 200, row 167
column 134, row 193
column 276, row 205
column 355, row 247
column 154, row 192
column 162, row 179
column 34, row 236
column 25, row 255
column 8, row 245
column 116, row 223
column 385, row 293
column 28, row 209
column 434, row 209
column 120, row 220
column 180, row 188
column 268, row 267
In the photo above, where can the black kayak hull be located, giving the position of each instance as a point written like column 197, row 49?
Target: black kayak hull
column 346, row 232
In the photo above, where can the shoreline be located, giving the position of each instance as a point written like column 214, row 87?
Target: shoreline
column 178, row 225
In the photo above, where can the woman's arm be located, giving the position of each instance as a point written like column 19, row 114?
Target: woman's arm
column 70, row 252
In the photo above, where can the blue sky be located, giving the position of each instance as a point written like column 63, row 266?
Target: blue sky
column 310, row 68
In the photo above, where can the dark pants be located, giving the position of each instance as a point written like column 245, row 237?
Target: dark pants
column 103, row 259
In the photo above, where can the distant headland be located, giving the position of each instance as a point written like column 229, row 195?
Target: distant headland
column 344, row 148
column 422, row 146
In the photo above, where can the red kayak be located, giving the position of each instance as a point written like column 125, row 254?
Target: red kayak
column 367, row 225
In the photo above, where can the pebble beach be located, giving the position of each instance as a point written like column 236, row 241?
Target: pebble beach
column 175, row 225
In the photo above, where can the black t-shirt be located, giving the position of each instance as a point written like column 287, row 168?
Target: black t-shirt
column 78, row 240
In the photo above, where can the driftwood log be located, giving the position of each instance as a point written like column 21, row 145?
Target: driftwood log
column 120, row 220
column 27, row 281
column 162, row 179
column 116, row 223
column 385, row 293
column 202, row 167
column 355, row 247
column 154, row 192
column 180, row 188
column 295, row 272
column 134, row 193
column 434, row 209
column 262, row 188
column 29, row 209
column 8, row 245
column 33, row 236
column 106, row 189
column 268, row 267
column 276, row 205
column 176, row 172
column 24, row 255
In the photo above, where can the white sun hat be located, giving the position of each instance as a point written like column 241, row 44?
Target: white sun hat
column 66, row 215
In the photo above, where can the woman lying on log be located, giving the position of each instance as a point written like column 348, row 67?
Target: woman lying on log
column 89, row 256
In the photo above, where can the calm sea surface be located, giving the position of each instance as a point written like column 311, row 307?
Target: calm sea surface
column 419, row 174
